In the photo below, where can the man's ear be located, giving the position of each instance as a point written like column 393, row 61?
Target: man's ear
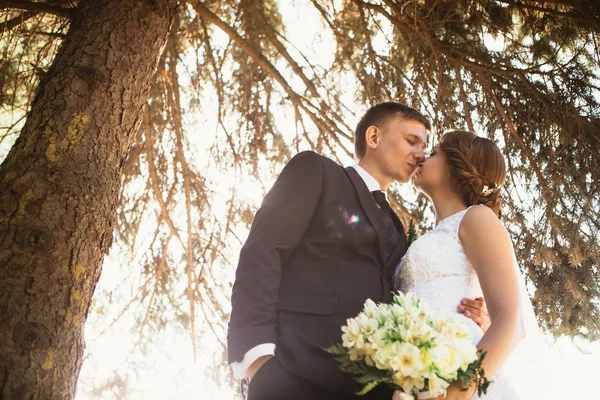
column 372, row 136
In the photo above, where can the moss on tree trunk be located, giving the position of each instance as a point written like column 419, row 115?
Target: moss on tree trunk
column 59, row 189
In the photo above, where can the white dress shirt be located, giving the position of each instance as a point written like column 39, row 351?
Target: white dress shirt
column 240, row 369
column 371, row 182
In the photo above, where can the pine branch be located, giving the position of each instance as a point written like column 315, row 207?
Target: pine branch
column 37, row 7
column 582, row 10
column 174, row 100
column 299, row 101
column 271, row 34
column 13, row 23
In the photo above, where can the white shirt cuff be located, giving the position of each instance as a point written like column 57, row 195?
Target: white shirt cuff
column 240, row 369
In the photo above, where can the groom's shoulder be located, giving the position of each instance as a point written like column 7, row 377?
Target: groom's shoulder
column 309, row 156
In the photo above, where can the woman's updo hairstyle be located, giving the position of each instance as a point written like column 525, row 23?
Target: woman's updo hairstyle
column 477, row 168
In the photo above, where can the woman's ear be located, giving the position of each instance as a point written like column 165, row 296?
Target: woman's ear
column 372, row 136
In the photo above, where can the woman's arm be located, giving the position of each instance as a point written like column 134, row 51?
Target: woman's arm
column 488, row 247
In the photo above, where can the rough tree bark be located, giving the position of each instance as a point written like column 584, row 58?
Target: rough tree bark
column 59, row 189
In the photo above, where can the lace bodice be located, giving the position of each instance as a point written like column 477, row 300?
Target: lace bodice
column 436, row 269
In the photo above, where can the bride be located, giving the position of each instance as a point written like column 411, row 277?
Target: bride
column 469, row 254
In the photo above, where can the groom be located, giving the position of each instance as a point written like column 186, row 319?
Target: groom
column 323, row 241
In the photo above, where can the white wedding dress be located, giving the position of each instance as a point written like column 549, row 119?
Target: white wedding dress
column 435, row 269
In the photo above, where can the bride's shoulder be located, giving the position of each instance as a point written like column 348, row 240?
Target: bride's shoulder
column 480, row 211
column 479, row 220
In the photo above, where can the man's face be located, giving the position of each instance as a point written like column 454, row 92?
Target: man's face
column 401, row 148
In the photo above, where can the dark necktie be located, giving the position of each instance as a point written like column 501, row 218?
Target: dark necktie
column 392, row 234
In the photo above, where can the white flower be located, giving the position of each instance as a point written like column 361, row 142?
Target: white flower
column 466, row 353
column 418, row 313
column 355, row 354
column 369, row 359
column 443, row 358
column 391, row 328
column 378, row 338
column 398, row 378
column 437, row 386
column 438, row 322
column 426, row 359
column 407, row 361
column 405, row 300
column 408, row 383
column 398, row 311
column 351, row 333
column 360, row 342
column 384, row 355
column 370, row 309
column 368, row 325
column 422, row 333
column 407, row 332
column 486, row 190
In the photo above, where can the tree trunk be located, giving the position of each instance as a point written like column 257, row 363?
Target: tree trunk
column 59, row 189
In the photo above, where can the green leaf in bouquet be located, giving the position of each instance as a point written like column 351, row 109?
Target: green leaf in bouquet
column 372, row 374
column 354, row 367
column 336, row 349
column 412, row 233
column 368, row 387
column 475, row 372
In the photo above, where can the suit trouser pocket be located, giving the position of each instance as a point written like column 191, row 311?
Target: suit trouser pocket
column 273, row 382
column 255, row 385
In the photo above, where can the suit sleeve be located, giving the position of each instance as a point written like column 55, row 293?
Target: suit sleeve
column 278, row 227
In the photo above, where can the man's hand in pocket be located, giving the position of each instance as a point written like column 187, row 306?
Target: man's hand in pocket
column 256, row 365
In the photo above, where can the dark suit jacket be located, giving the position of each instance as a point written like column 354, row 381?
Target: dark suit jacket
column 313, row 256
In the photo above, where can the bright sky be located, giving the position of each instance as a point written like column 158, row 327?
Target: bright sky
column 168, row 371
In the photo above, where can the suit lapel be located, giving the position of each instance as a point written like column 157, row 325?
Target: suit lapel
column 368, row 205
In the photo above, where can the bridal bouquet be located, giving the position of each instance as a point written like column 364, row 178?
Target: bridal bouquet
column 409, row 346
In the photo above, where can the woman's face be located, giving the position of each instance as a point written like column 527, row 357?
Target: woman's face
column 434, row 174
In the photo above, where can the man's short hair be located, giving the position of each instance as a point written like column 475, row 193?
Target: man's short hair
column 378, row 115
